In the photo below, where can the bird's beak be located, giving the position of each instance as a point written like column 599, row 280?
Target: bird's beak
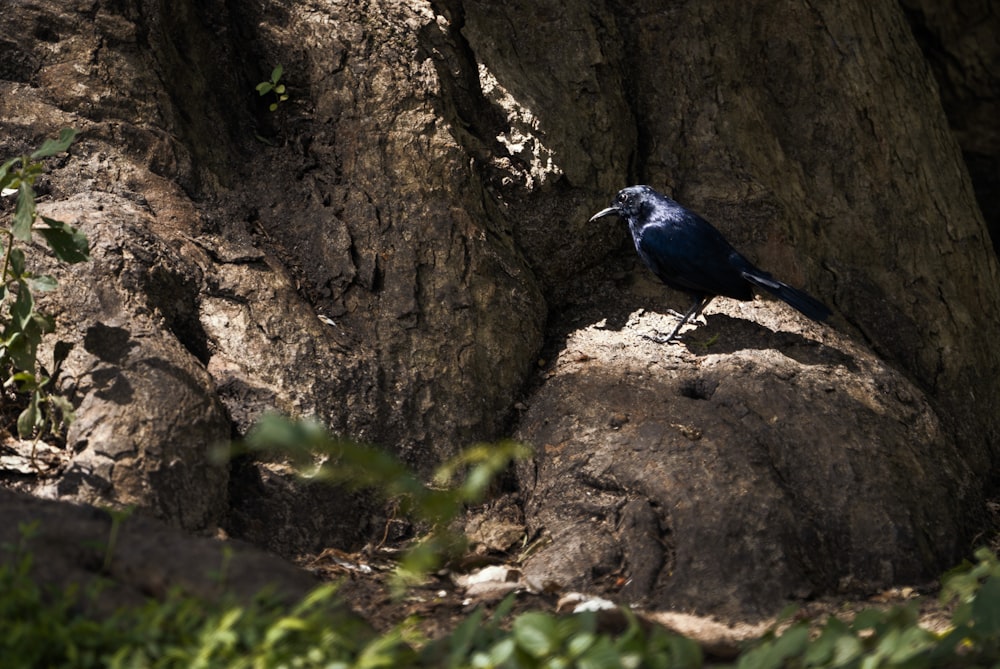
column 602, row 213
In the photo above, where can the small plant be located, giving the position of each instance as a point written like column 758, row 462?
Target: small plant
column 976, row 623
column 118, row 516
column 893, row 637
column 358, row 466
column 60, row 627
column 542, row 640
column 273, row 86
column 22, row 325
column 52, row 627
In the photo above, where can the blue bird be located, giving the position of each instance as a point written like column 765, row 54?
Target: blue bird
column 687, row 253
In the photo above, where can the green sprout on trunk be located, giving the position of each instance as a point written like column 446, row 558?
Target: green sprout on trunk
column 272, row 86
column 21, row 325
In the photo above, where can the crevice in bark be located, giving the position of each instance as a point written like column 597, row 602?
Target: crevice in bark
column 964, row 104
column 474, row 120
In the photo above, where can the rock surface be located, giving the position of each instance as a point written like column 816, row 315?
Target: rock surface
column 765, row 459
column 69, row 544
column 320, row 269
column 127, row 318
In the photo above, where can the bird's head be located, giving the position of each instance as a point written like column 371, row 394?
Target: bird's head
column 629, row 203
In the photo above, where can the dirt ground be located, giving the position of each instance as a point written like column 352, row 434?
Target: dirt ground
column 450, row 595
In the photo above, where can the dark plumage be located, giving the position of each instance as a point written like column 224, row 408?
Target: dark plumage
column 687, row 253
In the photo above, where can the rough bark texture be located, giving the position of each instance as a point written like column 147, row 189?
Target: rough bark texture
column 360, row 207
column 387, row 250
column 147, row 411
column 958, row 40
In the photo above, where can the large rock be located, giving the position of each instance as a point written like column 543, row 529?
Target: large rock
column 147, row 412
column 814, row 137
column 379, row 216
column 73, row 545
column 766, row 459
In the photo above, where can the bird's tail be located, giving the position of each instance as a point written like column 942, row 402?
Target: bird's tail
column 798, row 299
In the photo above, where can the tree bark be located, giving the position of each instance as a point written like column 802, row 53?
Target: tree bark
column 389, row 249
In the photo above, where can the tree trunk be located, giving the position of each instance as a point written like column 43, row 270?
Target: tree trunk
column 388, row 247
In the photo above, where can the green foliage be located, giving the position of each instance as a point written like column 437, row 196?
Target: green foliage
column 543, row 640
column 118, row 516
column 45, row 627
column 273, row 86
column 976, row 631
column 319, row 456
column 49, row 628
column 22, row 325
column 878, row 638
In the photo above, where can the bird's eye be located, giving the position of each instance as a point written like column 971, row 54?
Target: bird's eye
column 622, row 198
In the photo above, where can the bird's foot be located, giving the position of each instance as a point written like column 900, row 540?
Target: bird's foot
column 700, row 318
column 660, row 338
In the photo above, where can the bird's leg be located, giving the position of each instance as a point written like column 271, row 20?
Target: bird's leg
column 695, row 310
column 693, row 317
column 699, row 304
column 704, row 303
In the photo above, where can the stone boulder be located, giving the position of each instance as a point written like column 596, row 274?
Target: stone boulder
column 70, row 544
column 764, row 459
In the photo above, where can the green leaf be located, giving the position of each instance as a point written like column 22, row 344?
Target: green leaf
column 17, row 264
column 913, row 643
column 821, row 650
column 24, row 213
column 296, row 439
column 6, row 176
column 68, row 243
column 273, row 106
column 502, row 652
column 462, row 637
column 986, row 610
column 44, row 322
column 17, row 350
column 42, row 283
column 21, row 310
column 792, row 643
column 846, row 649
column 580, row 643
column 685, row 653
column 503, row 609
column 53, row 146
column 276, row 73
column 64, row 407
column 867, row 619
column 535, row 633
column 279, row 89
column 29, row 419
column 24, row 380
column 948, row 644
column 600, row 656
column 264, row 87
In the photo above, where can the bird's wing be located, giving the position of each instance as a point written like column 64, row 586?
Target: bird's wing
column 688, row 254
